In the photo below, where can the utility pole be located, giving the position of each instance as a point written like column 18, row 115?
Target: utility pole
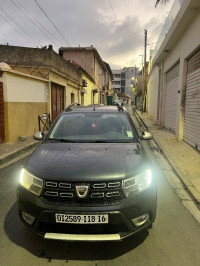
column 144, row 74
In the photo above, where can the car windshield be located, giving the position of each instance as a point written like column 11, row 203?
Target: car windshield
column 93, row 127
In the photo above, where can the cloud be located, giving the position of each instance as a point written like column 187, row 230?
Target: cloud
column 84, row 23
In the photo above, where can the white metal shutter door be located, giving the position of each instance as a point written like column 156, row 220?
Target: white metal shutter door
column 191, row 132
column 171, row 96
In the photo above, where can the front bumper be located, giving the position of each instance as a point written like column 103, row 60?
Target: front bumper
column 120, row 216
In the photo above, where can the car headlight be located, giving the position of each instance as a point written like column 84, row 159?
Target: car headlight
column 31, row 182
column 137, row 183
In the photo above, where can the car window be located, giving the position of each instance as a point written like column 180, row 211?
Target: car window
column 97, row 126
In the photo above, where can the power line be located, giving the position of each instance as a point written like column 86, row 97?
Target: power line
column 117, row 21
column 78, row 57
column 39, row 23
column 32, row 19
column 14, row 22
column 13, row 26
column 52, row 23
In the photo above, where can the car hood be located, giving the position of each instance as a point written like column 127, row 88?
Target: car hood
column 85, row 161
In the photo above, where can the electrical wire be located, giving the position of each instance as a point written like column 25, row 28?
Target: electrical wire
column 117, row 21
column 13, row 26
column 78, row 57
column 52, row 23
column 31, row 19
column 39, row 23
column 14, row 22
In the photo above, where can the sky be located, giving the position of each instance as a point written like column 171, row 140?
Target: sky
column 114, row 27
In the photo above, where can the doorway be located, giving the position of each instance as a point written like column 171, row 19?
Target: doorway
column 57, row 100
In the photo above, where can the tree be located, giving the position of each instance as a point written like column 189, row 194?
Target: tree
column 158, row 1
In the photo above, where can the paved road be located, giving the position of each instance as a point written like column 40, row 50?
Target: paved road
column 173, row 240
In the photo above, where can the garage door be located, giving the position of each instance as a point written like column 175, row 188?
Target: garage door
column 192, row 102
column 172, row 80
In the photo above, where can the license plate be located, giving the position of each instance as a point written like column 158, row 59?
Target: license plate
column 81, row 219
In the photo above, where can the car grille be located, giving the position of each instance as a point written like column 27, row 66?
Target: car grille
column 99, row 194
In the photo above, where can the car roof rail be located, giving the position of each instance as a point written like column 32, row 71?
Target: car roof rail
column 71, row 106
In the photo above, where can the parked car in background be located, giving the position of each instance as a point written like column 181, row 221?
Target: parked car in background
column 90, row 179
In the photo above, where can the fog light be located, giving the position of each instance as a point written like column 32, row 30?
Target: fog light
column 140, row 220
column 28, row 218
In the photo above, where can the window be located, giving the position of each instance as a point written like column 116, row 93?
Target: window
column 116, row 82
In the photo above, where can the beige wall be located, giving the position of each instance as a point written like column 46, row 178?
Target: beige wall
column 19, row 88
column 21, row 119
column 25, row 97
column 152, row 93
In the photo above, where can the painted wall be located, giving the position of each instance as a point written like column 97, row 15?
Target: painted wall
column 186, row 45
column 23, row 89
column 88, row 90
column 183, row 49
column 71, row 89
column 83, row 57
column 24, row 99
column 152, row 93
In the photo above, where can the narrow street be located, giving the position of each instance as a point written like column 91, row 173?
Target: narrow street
column 106, row 58
column 173, row 240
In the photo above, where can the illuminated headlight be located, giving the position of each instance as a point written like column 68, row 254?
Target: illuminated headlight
column 138, row 183
column 31, row 182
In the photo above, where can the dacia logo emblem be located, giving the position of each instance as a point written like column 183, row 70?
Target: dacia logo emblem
column 82, row 191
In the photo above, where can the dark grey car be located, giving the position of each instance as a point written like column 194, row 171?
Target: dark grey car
column 89, row 180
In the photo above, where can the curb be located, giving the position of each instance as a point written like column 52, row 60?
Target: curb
column 174, row 170
column 17, row 153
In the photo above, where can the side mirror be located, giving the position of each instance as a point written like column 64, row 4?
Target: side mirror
column 147, row 135
column 38, row 136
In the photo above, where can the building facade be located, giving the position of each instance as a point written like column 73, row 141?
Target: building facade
column 116, row 83
column 65, row 83
column 31, row 65
column 90, row 60
column 124, row 80
column 174, row 79
column 24, row 97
